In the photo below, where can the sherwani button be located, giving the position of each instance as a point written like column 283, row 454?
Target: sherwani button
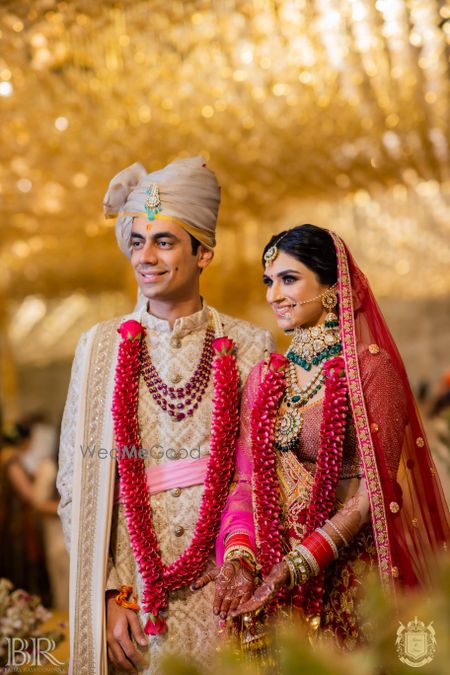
column 176, row 492
column 179, row 531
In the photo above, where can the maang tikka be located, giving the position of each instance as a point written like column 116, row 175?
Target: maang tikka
column 272, row 252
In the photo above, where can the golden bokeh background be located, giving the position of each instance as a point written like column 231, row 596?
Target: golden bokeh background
column 335, row 112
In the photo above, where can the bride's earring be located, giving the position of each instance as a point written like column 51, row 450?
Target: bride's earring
column 329, row 302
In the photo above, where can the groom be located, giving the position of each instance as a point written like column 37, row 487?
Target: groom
column 126, row 608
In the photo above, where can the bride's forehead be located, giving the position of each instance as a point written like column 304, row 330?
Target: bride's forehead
column 284, row 262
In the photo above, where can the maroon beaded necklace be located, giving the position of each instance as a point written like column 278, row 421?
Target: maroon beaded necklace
column 182, row 401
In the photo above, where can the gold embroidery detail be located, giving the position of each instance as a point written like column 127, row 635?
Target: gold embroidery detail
column 420, row 442
column 100, row 356
column 395, row 572
column 374, row 427
column 395, row 508
column 361, row 422
column 415, row 522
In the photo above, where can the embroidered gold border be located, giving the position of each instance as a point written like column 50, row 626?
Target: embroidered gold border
column 362, row 428
column 99, row 369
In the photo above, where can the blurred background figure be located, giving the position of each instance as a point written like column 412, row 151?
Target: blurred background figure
column 437, row 421
column 33, row 555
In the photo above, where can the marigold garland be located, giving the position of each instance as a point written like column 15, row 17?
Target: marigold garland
column 158, row 578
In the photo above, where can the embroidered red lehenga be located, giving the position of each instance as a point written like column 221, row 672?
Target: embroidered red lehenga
column 384, row 443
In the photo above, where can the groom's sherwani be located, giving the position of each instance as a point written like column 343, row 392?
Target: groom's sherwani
column 93, row 519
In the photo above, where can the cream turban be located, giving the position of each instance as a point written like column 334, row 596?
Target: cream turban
column 188, row 191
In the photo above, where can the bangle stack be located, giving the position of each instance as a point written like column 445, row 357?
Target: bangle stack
column 310, row 557
column 299, row 570
column 238, row 547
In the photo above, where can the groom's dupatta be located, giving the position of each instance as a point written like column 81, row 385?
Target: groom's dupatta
column 92, row 499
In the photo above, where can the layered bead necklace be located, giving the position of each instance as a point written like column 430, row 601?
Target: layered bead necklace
column 290, row 423
column 182, row 401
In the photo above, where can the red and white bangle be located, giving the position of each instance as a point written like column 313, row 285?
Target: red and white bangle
column 318, row 549
column 330, row 541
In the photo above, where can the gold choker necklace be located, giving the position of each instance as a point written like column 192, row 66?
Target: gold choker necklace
column 311, row 346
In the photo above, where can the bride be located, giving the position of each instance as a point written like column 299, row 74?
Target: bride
column 333, row 471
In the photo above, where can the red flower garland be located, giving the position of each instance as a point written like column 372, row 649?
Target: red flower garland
column 329, row 461
column 266, row 485
column 332, row 434
column 158, row 578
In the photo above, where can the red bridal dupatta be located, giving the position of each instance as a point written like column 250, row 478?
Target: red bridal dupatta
column 408, row 510
column 409, row 515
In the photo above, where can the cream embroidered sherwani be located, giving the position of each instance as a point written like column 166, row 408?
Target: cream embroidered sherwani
column 94, row 525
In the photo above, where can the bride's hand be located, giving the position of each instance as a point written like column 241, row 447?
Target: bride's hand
column 235, row 583
column 278, row 577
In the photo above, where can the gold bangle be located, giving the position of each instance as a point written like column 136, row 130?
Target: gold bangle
column 304, row 571
column 238, row 552
column 242, row 552
column 293, row 580
column 337, row 530
column 305, row 553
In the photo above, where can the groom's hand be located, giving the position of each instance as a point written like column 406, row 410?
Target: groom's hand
column 121, row 623
column 235, row 584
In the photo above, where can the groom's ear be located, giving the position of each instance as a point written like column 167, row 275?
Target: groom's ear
column 205, row 255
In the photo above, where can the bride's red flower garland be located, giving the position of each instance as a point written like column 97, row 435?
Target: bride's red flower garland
column 329, row 460
column 158, row 578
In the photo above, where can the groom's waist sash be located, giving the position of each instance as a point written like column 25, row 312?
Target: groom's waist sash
column 178, row 474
